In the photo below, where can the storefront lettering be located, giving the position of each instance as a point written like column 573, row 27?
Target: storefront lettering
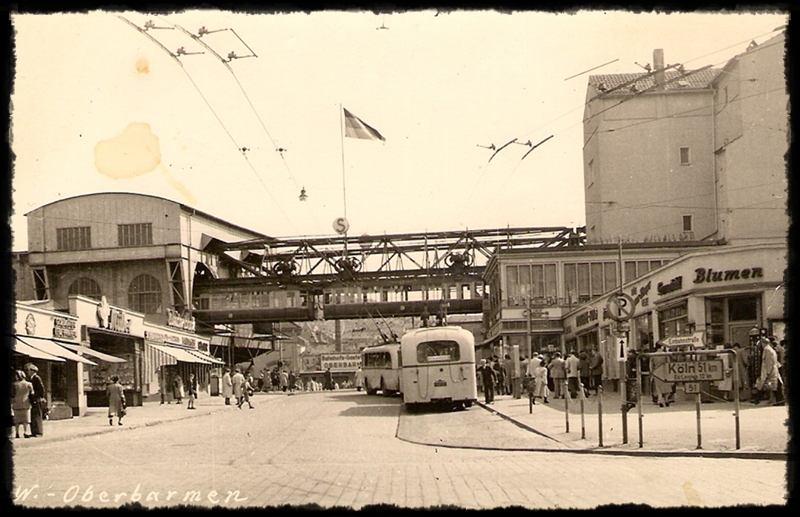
column 676, row 284
column 586, row 317
column 709, row 275
column 64, row 328
column 176, row 320
column 188, row 342
column 156, row 337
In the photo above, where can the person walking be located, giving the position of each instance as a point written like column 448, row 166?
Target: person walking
column 558, row 371
column 191, row 391
column 237, row 383
column 292, row 381
column 499, row 370
column 162, row 384
column 596, row 371
column 39, row 402
column 116, row 400
column 327, row 379
column 768, row 379
column 540, row 381
column 247, row 392
column 177, row 389
column 585, row 371
column 227, row 386
column 22, row 394
column 662, row 389
column 284, row 377
column 488, row 379
column 573, row 373
column 508, row 375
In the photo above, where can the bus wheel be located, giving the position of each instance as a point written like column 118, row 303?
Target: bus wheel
column 467, row 404
column 368, row 389
column 384, row 391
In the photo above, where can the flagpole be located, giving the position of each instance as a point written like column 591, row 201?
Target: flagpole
column 344, row 188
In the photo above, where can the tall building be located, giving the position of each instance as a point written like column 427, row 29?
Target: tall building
column 678, row 154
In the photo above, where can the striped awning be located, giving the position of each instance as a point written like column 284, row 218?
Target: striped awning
column 180, row 354
column 23, row 348
column 50, row 347
column 205, row 357
column 85, row 350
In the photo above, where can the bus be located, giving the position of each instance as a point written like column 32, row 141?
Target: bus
column 439, row 367
column 382, row 368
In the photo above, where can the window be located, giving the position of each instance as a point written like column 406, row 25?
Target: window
column 684, row 156
column 139, row 234
column 77, row 238
column 535, row 282
column 674, row 321
column 86, row 287
column 636, row 269
column 144, row 294
column 435, row 351
column 585, row 281
column 687, row 223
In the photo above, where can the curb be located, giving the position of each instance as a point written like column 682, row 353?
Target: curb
column 749, row 455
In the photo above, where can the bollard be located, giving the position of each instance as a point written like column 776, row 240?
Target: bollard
column 566, row 405
column 600, row 415
column 697, row 403
column 583, row 423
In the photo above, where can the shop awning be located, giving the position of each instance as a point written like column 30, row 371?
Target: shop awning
column 205, row 357
column 23, row 348
column 49, row 346
column 94, row 353
column 180, row 354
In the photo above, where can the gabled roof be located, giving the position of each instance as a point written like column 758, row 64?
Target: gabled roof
column 697, row 81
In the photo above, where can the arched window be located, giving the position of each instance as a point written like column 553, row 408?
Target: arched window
column 144, row 295
column 86, row 287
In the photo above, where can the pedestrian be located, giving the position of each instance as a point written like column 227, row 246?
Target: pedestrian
column 596, row 371
column 247, row 391
column 661, row 388
column 359, row 378
column 558, row 372
column 780, row 349
column 227, row 386
column 177, row 389
column 499, row 370
column 284, row 377
column 292, row 381
column 22, row 395
column 191, row 391
column 39, row 402
column 741, row 365
column 162, row 384
column 116, row 400
column 585, row 371
column 275, row 379
column 237, row 384
column 508, row 375
column 327, row 379
column 573, row 373
column 488, row 379
column 540, row 381
column 768, row 379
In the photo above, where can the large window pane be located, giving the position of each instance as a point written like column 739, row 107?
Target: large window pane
column 610, row 270
column 571, row 281
column 537, row 282
column 551, row 287
column 743, row 309
column 597, row 278
column 630, row 271
column 583, row 282
column 524, row 283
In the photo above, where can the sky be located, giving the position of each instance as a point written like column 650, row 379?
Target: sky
column 101, row 106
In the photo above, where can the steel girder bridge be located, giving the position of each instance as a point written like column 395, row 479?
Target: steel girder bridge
column 346, row 277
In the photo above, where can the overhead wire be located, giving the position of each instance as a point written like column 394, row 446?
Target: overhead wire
column 216, row 115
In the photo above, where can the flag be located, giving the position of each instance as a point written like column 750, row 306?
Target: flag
column 354, row 127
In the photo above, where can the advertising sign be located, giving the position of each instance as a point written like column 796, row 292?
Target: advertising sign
column 340, row 362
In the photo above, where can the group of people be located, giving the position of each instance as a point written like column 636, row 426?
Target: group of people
column 180, row 390
column 237, row 386
column 546, row 373
column 278, row 379
column 29, row 402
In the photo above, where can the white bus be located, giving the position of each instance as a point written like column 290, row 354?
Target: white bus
column 439, row 367
column 381, row 365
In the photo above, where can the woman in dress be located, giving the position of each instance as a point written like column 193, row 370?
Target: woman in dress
column 227, row 386
column 540, row 389
column 177, row 389
column 23, row 390
column 116, row 400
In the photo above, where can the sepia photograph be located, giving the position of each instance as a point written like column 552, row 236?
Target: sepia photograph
column 429, row 259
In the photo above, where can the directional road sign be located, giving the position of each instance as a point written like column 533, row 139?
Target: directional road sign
column 695, row 340
column 691, row 371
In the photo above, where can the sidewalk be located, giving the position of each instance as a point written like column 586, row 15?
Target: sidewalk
column 667, row 431
column 95, row 421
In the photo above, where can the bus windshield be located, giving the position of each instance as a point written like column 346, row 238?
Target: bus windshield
column 436, row 351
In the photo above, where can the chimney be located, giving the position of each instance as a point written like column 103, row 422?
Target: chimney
column 658, row 65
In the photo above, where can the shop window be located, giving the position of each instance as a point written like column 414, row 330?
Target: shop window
column 715, row 321
column 86, row 287
column 144, row 294
column 674, row 321
column 743, row 308
column 77, row 238
column 58, row 382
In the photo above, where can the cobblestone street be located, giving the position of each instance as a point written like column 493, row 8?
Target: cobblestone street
column 341, row 449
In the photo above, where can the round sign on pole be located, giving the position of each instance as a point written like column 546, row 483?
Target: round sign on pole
column 620, row 307
column 340, row 225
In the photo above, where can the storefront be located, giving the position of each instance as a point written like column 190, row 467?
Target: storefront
column 50, row 340
column 713, row 297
